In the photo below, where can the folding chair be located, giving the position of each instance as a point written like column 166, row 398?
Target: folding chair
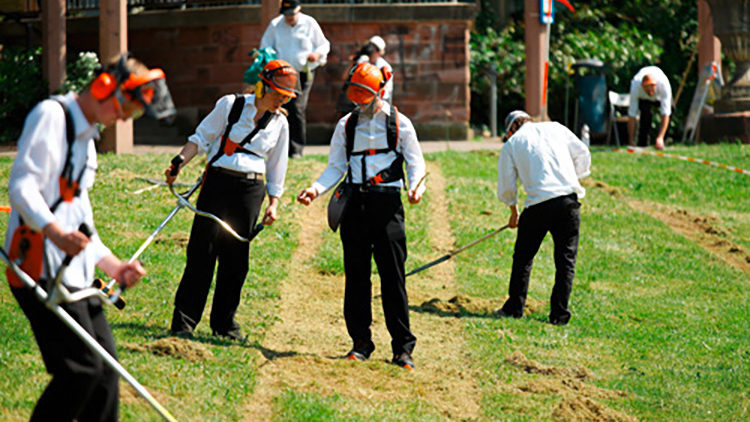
column 616, row 100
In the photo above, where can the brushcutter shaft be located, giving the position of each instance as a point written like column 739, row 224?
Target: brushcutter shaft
column 459, row 250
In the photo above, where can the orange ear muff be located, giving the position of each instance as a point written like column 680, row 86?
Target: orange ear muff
column 260, row 89
column 103, row 86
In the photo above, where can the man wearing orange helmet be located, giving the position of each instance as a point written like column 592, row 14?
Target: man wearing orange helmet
column 245, row 138
column 368, row 148
column 649, row 87
column 52, row 225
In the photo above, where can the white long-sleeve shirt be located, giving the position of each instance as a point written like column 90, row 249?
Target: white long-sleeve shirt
column 547, row 158
column 34, row 185
column 663, row 92
column 271, row 144
column 381, row 63
column 371, row 134
column 295, row 43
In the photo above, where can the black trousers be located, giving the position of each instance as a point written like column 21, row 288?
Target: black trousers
column 82, row 387
column 297, row 109
column 237, row 201
column 373, row 225
column 561, row 217
column 644, row 125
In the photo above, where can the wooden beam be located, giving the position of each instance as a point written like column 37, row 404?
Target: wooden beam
column 53, row 43
column 709, row 46
column 113, row 41
column 535, row 44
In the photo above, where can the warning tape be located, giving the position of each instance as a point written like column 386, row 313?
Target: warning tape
column 681, row 157
column 5, row 208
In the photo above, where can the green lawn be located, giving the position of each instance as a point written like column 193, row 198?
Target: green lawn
column 655, row 316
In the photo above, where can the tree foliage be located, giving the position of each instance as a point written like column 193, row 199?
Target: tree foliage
column 624, row 35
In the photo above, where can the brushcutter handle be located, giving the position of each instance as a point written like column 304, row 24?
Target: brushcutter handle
column 86, row 230
column 176, row 162
column 118, row 302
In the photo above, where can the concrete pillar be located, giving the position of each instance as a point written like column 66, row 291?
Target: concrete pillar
column 709, row 46
column 269, row 9
column 535, row 45
column 53, row 43
column 113, row 40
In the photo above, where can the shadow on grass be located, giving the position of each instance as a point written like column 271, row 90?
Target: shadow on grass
column 461, row 313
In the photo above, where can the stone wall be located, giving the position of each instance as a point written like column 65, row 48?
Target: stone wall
column 204, row 54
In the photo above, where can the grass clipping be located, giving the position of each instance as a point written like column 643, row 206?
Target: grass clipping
column 172, row 346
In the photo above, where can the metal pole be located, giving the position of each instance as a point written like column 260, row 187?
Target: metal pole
column 493, row 103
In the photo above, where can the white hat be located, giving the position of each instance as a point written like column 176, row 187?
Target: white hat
column 513, row 116
column 378, row 42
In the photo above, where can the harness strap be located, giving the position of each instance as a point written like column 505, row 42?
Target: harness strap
column 395, row 170
column 69, row 187
column 232, row 118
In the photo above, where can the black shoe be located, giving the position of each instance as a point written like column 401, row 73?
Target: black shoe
column 233, row 334
column 559, row 320
column 361, row 351
column 403, row 360
column 500, row 313
column 182, row 333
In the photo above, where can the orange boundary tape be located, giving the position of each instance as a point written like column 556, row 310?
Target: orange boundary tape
column 681, row 157
column 5, row 208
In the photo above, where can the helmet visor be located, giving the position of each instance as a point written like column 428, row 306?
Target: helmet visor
column 285, row 83
column 149, row 92
column 360, row 93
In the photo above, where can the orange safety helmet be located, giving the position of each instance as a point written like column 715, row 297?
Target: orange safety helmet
column 281, row 77
column 365, row 82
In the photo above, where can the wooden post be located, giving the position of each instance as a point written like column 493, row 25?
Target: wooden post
column 113, row 40
column 709, row 46
column 53, row 43
column 269, row 9
column 535, row 43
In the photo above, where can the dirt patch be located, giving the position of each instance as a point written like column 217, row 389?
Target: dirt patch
column 172, row 346
column 520, row 361
column 576, row 409
column 461, row 305
column 700, row 229
column 305, row 350
column 598, row 184
column 179, row 239
column 568, row 387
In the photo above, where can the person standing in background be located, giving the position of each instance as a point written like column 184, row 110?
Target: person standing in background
column 297, row 39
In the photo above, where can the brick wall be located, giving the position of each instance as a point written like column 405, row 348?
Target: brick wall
column 204, row 54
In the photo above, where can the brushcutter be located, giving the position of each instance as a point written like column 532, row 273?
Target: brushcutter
column 182, row 202
column 450, row 255
column 59, row 294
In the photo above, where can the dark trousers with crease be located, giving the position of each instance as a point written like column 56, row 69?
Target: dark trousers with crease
column 297, row 118
column 237, row 201
column 561, row 217
column 373, row 225
column 82, row 387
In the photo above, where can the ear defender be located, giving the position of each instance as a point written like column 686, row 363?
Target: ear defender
column 103, row 86
column 260, row 89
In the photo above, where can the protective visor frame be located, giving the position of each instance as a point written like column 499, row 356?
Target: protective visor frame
column 363, row 86
column 146, row 93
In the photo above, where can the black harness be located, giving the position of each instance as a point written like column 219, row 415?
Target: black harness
column 227, row 148
column 393, row 172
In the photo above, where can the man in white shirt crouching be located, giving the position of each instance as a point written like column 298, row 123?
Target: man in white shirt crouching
column 549, row 160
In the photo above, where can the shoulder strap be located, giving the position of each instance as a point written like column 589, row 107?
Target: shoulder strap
column 350, row 127
column 262, row 123
column 391, row 127
column 67, row 183
column 232, row 118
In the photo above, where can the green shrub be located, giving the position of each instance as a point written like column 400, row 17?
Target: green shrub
column 22, row 85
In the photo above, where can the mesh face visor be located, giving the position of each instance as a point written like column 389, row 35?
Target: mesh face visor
column 282, row 80
column 360, row 93
column 147, row 92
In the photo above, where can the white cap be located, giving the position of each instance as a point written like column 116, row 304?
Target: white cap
column 513, row 116
column 378, row 42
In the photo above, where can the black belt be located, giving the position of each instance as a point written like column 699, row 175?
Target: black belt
column 376, row 189
column 250, row 175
